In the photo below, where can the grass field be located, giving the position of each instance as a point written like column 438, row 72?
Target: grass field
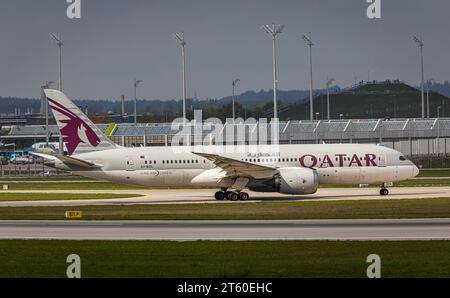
column 71, row 186
column 42, row 258
column 59, row 196
column 38, row 178
column 434, row 173
column 407, row 208
column 405, row 183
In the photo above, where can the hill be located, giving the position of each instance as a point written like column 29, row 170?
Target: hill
column 371, row 100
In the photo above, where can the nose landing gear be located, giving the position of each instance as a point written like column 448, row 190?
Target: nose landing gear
column 384, row 191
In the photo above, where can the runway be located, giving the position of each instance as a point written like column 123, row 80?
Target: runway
column 365, row 229
column 185, row 196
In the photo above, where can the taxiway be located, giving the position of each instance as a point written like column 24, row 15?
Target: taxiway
column 187, row 196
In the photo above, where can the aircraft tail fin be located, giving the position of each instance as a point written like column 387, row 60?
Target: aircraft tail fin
column 78, row 132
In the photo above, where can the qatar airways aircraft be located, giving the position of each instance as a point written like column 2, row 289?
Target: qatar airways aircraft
column 287, row 169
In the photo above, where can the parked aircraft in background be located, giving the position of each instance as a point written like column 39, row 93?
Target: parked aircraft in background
column 44, row 147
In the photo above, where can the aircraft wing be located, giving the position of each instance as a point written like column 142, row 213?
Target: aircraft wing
column 235, row 168
column 68, row 160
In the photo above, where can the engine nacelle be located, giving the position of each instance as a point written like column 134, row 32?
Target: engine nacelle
column 296, row 181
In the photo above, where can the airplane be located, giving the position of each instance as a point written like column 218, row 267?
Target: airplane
column 43, row 147
column 286, row 168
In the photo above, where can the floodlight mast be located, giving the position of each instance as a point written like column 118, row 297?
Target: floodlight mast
column 59, row 43
column 46, row 86
column 308, row 41
column 274, row 30
column 180, row 39
column 233, row 85
column 329, row 82
column 136, row 84
column 429, row 83
column 418, row 40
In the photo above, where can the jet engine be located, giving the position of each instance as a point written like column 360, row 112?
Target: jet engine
column 289, row 181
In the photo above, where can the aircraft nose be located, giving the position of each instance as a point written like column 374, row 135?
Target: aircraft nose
column 415, row 171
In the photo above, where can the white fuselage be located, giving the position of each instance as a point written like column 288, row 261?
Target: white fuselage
column 178, row 167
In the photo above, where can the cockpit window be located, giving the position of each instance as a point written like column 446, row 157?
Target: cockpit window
column 402, row 157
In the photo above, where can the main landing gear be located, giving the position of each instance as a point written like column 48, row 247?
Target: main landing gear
column 384, row 191
column 231, row 195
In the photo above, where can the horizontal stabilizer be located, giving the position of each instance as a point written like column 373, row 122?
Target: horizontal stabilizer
column 68, row 160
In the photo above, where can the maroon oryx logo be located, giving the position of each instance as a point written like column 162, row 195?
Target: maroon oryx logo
column 75, row 131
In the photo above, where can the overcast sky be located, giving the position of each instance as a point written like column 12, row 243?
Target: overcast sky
column 115, row 41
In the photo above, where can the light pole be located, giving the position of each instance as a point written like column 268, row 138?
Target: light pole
column 46, row 86
column 329, row 82
column 438, row 123
column 429, row 82
column 180, row 39
column 418, row 40
column 136, row 84
column 233, row 85
column 308, row 41
column 59, row 43
column 317, row 116
column 274, row 30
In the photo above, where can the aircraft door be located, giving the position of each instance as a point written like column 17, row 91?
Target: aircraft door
column 130, row 164
column 382, row 160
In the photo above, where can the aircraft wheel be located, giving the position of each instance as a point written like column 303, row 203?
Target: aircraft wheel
column 243, row 196
column 233, row 196
column 384, row 191
column 220, row 195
